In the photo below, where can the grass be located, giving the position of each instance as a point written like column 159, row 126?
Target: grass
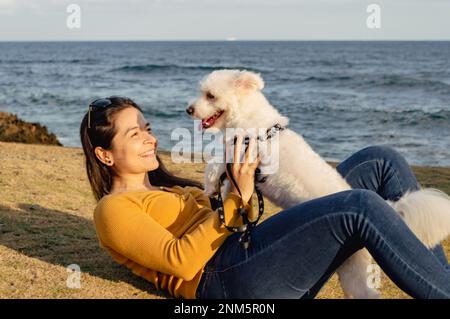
column 46, row 225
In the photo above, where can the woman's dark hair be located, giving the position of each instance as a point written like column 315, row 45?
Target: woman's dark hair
column 101, row 133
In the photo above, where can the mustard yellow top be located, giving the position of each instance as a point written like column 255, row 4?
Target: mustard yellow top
column 165, row 236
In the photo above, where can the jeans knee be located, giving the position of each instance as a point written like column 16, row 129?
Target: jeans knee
column 367, row 200
column 360, row 208
column 383, row 152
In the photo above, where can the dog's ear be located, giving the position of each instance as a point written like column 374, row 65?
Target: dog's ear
column 248, row 81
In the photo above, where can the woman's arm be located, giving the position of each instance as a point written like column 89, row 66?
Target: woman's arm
column 199, row 196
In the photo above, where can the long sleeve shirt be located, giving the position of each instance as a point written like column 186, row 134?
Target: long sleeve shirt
column 165, row 236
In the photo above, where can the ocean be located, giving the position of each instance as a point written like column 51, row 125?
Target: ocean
column 340, row 96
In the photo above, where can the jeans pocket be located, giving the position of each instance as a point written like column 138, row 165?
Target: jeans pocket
column 201, row 285
column 211, row 287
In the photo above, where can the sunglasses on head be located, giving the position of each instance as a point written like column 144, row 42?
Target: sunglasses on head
column 96, row 105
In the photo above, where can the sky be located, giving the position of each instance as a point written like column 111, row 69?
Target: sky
column 46, row 20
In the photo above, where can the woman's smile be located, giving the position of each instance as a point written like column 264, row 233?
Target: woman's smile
column 149, row 153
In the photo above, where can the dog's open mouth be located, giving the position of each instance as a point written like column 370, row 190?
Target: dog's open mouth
column 208, row 122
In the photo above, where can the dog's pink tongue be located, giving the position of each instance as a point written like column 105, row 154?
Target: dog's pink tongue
column 207, row 123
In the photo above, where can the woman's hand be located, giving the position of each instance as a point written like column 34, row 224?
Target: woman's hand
column 244, row 173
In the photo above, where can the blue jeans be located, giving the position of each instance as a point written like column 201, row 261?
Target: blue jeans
column 292, row 254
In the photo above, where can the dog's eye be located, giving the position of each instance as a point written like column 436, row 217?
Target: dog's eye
column 210, row 96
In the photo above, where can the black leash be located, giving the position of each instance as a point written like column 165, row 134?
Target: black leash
column 248, row 225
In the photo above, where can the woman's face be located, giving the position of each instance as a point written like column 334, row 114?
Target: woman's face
column 133, row 146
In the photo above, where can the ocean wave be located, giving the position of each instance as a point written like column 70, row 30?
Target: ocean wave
column 395, row 80
column 381, row 81
column 413, row 118
column 149, row 68
column 166, row 114
column 49, row 61
column 440, row 114
column 327, row 79
column 329, row 62
column 47, row 98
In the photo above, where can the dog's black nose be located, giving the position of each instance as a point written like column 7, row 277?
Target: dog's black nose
column 190, row 110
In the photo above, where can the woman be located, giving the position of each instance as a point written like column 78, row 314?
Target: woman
column 164, row 229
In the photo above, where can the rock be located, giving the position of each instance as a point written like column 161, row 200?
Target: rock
column 33, row 207
column 13, row 129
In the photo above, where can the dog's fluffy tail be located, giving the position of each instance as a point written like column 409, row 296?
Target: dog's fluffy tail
column 427, row 213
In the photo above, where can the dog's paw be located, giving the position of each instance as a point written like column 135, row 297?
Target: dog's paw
column 211, row 188
column 213, row 172
column 210, row 191
column 363, row 293
column 213, row 175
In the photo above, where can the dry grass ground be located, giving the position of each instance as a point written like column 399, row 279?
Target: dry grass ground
column 46, row 224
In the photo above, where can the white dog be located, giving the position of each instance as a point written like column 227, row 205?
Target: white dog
column 233, row 99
